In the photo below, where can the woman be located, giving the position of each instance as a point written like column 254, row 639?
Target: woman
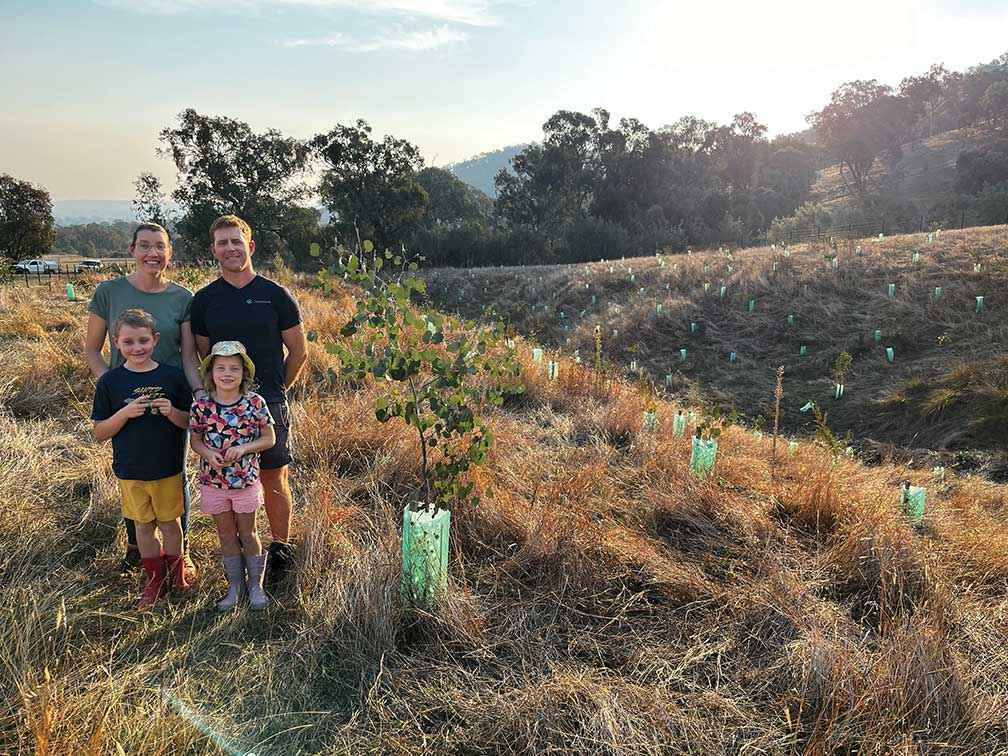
column 149, row 289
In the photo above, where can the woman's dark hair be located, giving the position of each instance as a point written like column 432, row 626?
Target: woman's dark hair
column 150, row 227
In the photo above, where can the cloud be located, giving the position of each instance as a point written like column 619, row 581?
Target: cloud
column 477, row 13
column 417, row 40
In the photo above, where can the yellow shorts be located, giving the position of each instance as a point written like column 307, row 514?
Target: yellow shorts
column 147, row 500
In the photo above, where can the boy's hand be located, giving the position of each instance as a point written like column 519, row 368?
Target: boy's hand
column 233, row 454
column 136, row 408
column 161, row 406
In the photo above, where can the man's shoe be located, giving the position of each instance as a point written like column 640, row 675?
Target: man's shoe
column 131, row 560
column 278, row 564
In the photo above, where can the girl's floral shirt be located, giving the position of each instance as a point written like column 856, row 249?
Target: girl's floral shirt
column 221, row 426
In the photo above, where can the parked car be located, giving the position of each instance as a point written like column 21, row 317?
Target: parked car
column 37, row 266
column 89, row 266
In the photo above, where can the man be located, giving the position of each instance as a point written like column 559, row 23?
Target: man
column 243, row 306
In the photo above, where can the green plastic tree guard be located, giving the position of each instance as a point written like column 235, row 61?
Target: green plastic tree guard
column 706, row 286
column 878, row 336
column 679, row 424
column 693, row 327
column 424, row 554
column 682, row 355
column 938, row 291
column 658, row 308
column 835, row 262
column 912, row 500
column 892, row 290
column 537, row 354
column 732, row 356
column 668, row 380
column 979, row 304
column 71, row 294
column 790, row 320
column 723, row 291
column 890, row 354
column 703, row 456
column 802, row 350
column 752, row 304
column 838, row 391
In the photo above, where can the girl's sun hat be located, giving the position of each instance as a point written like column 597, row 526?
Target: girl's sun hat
column 228, row 349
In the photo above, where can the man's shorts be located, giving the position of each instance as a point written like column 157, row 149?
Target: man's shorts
column 217, row 501
column 279, row 455
column 149, row 500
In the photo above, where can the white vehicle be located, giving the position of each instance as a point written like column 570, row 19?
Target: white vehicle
column 89, row 266
column 37, row 266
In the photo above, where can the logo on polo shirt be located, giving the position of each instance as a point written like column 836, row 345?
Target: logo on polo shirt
column 258, row 301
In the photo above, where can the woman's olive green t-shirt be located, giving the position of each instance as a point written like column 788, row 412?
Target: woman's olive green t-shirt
column 170, row 309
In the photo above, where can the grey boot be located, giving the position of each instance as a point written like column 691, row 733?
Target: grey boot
column 234, row 568
column 255, row 566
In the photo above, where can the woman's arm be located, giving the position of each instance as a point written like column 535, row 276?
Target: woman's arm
column 94, row 340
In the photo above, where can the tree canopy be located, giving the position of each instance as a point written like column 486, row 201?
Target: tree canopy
column 27, row 228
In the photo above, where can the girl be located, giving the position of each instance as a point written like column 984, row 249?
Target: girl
column 230, row 426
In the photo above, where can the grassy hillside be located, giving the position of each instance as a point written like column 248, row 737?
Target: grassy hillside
column 603, row 600
column 924, row 175
column 945, row 388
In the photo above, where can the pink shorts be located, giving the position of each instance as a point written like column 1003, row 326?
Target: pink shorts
column 242, row 500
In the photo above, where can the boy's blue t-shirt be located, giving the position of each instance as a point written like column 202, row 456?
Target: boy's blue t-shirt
column 149, row 447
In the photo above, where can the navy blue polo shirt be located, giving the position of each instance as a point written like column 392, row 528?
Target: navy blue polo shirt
column 256, row 315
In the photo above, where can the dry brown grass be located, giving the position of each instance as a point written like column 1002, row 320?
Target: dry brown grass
column 603, row 600
column 835, row 311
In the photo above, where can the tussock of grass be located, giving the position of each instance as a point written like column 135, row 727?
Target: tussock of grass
column 603, row 599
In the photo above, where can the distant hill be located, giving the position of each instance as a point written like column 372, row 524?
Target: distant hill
column 74, row 212
column 479, row 171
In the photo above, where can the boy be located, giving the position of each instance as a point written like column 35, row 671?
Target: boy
column 143, row 406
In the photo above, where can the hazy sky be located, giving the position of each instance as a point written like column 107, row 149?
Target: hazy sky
column 87, row 85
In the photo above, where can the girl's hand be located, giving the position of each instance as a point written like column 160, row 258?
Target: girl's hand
column 233, row 454
column 215, row 459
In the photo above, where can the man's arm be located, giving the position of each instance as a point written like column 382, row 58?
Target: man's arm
column 190, row 360
column 297, row 353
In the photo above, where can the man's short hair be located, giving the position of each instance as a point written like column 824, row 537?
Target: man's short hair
column 150, row 227
column 134, row 318
column 231, row 221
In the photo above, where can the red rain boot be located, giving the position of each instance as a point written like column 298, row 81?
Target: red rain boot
column 157, row 573
column 178, row 574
